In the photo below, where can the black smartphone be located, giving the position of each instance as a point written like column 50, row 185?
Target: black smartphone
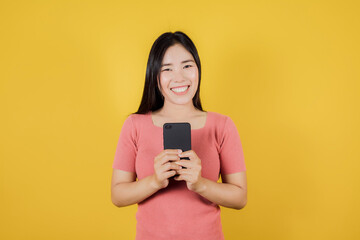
column 177, row 136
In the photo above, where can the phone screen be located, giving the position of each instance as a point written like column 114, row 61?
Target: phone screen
column 177, row 136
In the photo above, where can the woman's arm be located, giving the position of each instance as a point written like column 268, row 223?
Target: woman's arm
column 231, row 193
column 125, row 190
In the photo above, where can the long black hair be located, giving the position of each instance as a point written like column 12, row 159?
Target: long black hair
column 152, row 98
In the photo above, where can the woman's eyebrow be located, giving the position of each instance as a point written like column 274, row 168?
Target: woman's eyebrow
column 167, row 64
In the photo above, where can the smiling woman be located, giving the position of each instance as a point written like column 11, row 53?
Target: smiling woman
column 185, row 206
column 178, row 76
column 174, row 60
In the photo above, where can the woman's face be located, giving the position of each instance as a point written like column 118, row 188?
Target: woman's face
column 178, row 75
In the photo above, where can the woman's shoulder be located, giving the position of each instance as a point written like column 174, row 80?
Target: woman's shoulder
column 218, row 117
column 222, row 122
column 137, row 118
column 138, row 115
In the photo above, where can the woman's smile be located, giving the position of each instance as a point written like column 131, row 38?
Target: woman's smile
column 180, row 90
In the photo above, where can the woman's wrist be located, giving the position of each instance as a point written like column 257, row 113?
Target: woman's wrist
column 153, row 183
column 201, row 186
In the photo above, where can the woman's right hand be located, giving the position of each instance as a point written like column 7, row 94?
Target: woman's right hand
column 165, row 167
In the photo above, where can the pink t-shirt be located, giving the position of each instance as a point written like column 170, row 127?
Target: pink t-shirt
column 175, row 212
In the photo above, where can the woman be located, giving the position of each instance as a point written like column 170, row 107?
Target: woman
column 184, row 207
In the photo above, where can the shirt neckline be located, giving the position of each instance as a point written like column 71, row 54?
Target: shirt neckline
column 204, row 127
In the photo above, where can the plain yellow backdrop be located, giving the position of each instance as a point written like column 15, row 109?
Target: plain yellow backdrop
column 286, row 72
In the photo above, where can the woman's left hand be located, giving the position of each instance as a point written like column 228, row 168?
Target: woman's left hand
column 192, row 173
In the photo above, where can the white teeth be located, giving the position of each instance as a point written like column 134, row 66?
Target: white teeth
column 178, row 90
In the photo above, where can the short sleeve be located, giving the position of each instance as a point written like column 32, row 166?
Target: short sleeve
column 231, row 151
column 126, row 149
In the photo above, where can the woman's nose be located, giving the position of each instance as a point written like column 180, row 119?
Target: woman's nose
column 178, row 75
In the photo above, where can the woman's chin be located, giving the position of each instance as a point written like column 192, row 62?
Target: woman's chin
column 184, row 101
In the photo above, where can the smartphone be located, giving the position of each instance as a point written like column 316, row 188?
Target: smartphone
column 177, row 136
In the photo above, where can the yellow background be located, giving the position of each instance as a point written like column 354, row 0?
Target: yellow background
column 286, row 72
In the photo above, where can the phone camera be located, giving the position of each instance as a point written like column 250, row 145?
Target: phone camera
column 167, row 126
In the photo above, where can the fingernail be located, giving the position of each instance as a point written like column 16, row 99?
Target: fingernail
column 179, row 150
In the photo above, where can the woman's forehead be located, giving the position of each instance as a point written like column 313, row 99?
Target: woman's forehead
column 176, row 54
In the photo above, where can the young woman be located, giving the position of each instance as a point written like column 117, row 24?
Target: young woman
column 185, row 207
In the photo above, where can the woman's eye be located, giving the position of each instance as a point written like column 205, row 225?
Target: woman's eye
column 187, row 65
column 166, row 69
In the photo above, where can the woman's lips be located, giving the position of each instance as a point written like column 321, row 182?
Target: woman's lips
column 181, row 93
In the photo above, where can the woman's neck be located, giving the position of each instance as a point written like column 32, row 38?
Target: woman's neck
column 177, row 111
